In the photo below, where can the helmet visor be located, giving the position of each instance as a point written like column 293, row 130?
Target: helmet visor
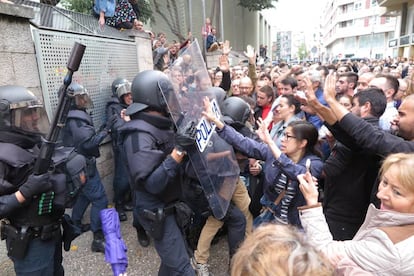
column 83, row 101
column 31, row 120
column 123, row 89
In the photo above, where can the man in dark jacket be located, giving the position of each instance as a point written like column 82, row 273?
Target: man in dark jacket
column 350, row 173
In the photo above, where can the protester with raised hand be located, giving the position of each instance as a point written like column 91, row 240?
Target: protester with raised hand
column 383, row 244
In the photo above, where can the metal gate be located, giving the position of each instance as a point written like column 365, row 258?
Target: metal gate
column 109, row 54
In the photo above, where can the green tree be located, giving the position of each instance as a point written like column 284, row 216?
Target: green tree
column 302, row 52
column 257, row 5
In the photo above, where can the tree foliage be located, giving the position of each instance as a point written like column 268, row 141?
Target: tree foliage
column 256, row 5
column 302, row 52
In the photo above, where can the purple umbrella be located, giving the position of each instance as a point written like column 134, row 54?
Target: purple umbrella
column 115, row 248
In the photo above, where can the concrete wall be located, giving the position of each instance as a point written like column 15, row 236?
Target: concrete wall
column 17, row 54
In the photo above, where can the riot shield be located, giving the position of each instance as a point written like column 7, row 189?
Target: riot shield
column 214, row 160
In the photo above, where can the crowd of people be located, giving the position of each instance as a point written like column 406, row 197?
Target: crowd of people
column 325, row 154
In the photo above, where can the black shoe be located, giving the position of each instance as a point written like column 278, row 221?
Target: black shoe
column 98, row 246
column 85, row 227
column 122, row 216
column 121, row 213
column 98, row 243
column 143, row 238
column 128, row 207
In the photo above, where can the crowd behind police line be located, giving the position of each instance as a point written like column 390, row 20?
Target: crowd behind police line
column 276, row 118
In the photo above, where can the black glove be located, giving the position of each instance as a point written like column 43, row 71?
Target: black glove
column 111, row 122
column 185, row 138
column 35, row 184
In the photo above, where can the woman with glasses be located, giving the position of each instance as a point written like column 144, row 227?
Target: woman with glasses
column 282, row 165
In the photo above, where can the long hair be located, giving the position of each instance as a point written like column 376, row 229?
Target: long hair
column 304, row 130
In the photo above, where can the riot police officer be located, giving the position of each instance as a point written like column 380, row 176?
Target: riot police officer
column 79, row 132
column 121, row 99
column 114, row 106
column 33, row 241
column 153, row 163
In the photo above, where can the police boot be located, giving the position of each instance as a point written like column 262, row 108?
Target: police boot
column 121, row 212
column 98, row 243
column 143, row 238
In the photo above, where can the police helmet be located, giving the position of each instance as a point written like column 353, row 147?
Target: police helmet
column 21, row 111
column 123, row 88
column 116, row 83
column 235, row 109
column 81, row 96
column 219, row 94
column 150, row 89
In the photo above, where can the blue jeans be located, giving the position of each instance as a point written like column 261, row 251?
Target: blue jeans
column 92, row 193
column 42, row 258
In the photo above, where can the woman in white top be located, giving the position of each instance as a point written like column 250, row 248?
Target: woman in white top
column 384, row 243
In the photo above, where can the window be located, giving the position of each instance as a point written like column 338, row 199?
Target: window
column 357, row 5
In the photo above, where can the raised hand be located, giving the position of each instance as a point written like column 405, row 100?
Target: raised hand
column 250, row 54
column 226, row 47
column 329, row 91
column 263, row 131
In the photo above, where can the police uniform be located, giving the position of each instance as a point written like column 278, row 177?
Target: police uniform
column 79, row 132
column 148, row 141
column 30, row 225
column 120, row 182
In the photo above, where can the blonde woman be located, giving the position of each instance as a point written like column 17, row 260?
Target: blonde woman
column 278, row 250
column 384, row 243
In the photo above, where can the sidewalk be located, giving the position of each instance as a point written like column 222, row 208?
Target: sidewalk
column 141, row 261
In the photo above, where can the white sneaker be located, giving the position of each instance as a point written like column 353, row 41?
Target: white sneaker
column 200, row 269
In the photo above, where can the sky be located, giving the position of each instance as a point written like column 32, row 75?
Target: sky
column 296, row 15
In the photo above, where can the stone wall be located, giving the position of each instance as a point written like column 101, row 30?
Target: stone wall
column 17, row 53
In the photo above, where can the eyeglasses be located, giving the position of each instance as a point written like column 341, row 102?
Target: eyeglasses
column 288, row 137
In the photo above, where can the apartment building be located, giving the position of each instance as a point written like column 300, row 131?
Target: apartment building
column 402, row 43
column 356, row 29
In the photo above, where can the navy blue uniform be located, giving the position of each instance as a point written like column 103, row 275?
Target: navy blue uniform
column 80, row 133
column 147, row 143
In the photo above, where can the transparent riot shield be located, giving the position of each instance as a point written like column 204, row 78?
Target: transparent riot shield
column 214, row 160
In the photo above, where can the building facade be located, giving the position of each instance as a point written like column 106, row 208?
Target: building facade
column 402, row 43
column 356, row 29
column 234, row 23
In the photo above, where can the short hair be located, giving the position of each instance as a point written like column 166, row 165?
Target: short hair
column 290, row 81
column 273, row 249
column 351, row 77
column 375, row 97
column 324, row 69
column 392, row 82
column 403, row 163
column 268, row 90
column 315, row 75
